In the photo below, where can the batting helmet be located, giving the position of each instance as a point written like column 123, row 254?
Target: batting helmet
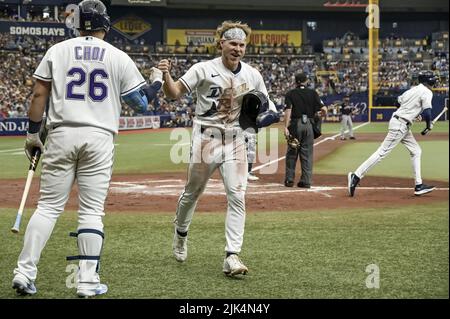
column 427, row 77
column 93, row 16
column 253, row 104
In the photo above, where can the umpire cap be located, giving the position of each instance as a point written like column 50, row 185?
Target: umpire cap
column 93, row 16
column 253, row 104
column 427, row 77
column 300, row 78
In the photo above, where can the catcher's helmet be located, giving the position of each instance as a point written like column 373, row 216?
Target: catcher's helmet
column 427, row 77
column 253, row 104
column 93, row 16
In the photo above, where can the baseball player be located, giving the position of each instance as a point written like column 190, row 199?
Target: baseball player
column 415, row 101
column 346, row 118
column 217, row 141
column 84, row 79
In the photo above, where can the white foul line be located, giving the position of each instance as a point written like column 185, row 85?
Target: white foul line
column 173, row 187
column 170, row 144
column 11, row 150
column 315, row 144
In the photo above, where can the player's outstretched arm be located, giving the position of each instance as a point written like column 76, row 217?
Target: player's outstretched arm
column 172, row 89
column 138, row 99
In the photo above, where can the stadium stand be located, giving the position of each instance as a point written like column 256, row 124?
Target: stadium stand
column 339, row 67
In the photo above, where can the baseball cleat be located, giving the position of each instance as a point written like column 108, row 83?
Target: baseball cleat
column 423, row 189
column 353, row 181
column 232, row 266
column 303, row 185
column 92, row 292
column 23, row 287
column 179, row 247
column 288, row 183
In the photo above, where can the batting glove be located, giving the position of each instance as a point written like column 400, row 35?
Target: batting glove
column 155, row 75
column 33, row 140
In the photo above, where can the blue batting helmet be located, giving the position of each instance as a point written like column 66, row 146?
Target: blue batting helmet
column 93, row 16
column 427, row 77
column 253, row 104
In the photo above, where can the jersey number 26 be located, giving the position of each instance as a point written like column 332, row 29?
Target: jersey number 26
column 97, row 91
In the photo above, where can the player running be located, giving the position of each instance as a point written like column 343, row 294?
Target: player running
column 218, row 141
column 413, row 102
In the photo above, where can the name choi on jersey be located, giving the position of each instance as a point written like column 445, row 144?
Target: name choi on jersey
column 89, row 53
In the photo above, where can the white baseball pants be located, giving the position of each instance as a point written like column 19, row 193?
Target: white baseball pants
column 84, row 154
column 211, row 150
column 398, row 132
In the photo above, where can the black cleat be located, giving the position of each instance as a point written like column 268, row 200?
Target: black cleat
column 353, row 181
column 288, row 183
column 303, row 185
column 423, row 189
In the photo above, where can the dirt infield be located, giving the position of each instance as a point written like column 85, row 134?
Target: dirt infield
column 159, row 192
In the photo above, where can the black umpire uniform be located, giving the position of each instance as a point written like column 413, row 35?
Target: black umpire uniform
column 302, row 105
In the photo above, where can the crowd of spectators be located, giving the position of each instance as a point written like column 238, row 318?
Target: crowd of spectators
column 198, row 48
column 20, row 56
column 32, row 13
column 27, row 43
column 16, row 82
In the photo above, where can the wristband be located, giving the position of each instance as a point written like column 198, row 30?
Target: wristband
column 34, row 127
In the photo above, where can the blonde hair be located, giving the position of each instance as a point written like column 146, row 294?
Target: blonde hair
column 227, row 25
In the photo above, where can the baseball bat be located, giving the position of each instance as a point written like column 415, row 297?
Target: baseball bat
column 33, row 164
column 426, row 130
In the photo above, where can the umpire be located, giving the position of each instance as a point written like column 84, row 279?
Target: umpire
column 302, row 105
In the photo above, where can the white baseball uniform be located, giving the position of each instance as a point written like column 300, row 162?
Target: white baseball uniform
column 412, row 103
column 87, row 77
column 218, row 141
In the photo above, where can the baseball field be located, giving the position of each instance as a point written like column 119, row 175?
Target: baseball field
column 299, row 244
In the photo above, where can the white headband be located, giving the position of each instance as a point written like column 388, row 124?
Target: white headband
column 234, row 34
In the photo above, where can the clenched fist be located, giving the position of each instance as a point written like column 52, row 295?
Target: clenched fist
column 165, row 66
